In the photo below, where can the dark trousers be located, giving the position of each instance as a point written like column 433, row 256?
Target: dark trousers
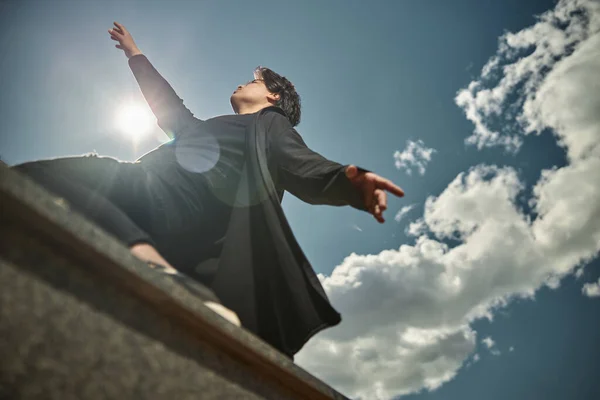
column 132, row 205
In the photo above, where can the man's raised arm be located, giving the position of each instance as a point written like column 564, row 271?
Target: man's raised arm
column 172, row 116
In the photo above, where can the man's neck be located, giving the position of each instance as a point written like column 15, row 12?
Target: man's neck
column 251, row 109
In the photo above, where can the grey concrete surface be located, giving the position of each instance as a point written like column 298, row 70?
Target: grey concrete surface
column 81, row 318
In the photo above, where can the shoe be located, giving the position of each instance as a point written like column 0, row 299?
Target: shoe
column 224, row 312
column 209, row 299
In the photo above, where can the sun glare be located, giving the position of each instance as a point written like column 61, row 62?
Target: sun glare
column 134, row 120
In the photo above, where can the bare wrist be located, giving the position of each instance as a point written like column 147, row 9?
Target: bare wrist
column 134, row 52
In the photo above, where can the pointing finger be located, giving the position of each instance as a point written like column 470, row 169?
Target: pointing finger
column 390, row 187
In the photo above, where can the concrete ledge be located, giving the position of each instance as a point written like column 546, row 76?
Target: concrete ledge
column 80, row 317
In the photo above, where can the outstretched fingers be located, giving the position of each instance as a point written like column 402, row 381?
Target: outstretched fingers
column 380, row 199
column 388, row 185
column 117, row 32
column 120, row 28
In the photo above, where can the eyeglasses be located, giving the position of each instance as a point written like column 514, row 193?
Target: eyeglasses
column 253, row 81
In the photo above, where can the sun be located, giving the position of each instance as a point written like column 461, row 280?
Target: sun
column 134, row 120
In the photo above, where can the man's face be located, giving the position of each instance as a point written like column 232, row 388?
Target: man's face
column 250, row 94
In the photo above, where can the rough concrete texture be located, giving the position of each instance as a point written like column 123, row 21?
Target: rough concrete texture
column 81, row 319
column 55, row 346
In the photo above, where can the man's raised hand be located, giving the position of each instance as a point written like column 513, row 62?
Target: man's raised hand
column 373, row 189
column 126, row 43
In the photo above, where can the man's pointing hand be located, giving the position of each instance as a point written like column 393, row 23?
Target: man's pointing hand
column 373, row 188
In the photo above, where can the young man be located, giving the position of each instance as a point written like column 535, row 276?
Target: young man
column 207, row 203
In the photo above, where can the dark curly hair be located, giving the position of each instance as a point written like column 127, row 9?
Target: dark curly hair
column 289, row 100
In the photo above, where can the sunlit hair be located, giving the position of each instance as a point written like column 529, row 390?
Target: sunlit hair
column 289, row 100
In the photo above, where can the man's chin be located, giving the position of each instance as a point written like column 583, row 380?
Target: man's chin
column 233, row 104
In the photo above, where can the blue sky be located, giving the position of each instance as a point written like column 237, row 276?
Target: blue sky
column 373, row 76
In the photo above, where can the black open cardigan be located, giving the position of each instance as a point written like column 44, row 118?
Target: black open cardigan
column 260, row 271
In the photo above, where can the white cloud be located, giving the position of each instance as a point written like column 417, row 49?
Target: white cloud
column 549, row 43
column 472, row 361
column 416, row 228
column 403, row 211
column 511, row 349
column 490, row 344
column 591, row 289
column 488, row 341
column 407, row 312
column 415, row 155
